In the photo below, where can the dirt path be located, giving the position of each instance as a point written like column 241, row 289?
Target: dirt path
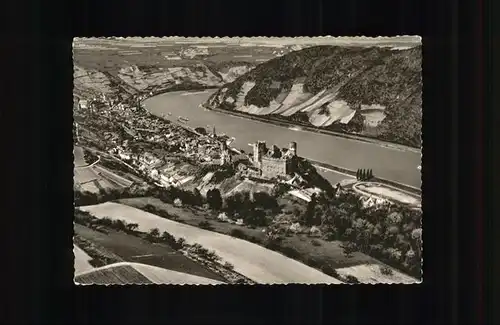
column 253, row 261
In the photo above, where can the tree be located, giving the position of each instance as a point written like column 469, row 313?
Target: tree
column 119, row 224
column 310, row 211
column 351, row 279
column 349, row 248
column 197, row 198
column 233, row 202
column 214, row 199
column 247, row 205
column 132, row 227
column 264, row 200
column 168, row 239
column 385, row 270
column 181, row 242
column 256, row 218
column 154, row 233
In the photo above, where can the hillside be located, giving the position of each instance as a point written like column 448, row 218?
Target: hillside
column 109, row 66
column 373, row 92
column 88, row 81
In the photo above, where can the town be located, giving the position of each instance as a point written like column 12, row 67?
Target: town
column 148, row 144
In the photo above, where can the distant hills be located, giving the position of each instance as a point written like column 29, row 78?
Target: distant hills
column 145, row 78
column 369, row 91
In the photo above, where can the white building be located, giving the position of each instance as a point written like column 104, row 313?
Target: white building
column 83, row 104
column 124, row 155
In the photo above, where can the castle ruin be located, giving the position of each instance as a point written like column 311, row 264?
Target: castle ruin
column 274, row 162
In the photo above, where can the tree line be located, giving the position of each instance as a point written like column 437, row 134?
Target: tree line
column 364, row 174
column 390, row 232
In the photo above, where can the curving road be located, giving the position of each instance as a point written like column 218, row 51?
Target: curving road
column 389, row 163
column 253, row 261
column 79, row 158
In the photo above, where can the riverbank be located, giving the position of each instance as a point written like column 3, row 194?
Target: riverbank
column 280, row 122
column 332, row 167
column 388, row 163
column 276, row 121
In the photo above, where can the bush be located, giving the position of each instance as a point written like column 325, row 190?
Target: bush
column 385, row 270
column 153, row 234
column 351, row 279
column 131, row 227
column 119, row 225
column 150, row 208
column 272, row 244
column 254, row 240
column 205, row 225
column 315, row 242
column 169, row 239
column 289, row 251
column 212, row 256
column 238, row 233
column 82, row 217
column 181, row 242
column 328, row 270
column 312, row 262
column 106, row 221
column 229, row 266
column 349, row 248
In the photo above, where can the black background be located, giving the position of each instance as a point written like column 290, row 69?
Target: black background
column 36, row 156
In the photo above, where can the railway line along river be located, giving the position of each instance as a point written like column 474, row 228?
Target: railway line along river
column 389, row 163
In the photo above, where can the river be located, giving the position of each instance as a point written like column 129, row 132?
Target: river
column 389, row 163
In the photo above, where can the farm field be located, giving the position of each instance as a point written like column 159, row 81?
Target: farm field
column 372, row 274
column 96, row 178
column 255, row 262
column 117, row 179
column 134, row 249
column 135, row 273
column 81, row 260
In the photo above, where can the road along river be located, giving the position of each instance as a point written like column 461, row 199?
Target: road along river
column 389, row 163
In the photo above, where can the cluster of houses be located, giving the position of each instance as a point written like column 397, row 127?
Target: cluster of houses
column 163, row 173
column 264, row 163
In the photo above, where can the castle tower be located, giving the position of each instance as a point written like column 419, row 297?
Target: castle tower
column 259, row 149
column 256, row 155
column 293, row 148
column 223, row 146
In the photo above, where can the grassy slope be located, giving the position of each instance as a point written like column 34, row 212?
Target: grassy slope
column 135, row 249
column 365, row 76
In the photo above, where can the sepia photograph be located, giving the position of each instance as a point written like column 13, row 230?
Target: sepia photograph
column 253, row 160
